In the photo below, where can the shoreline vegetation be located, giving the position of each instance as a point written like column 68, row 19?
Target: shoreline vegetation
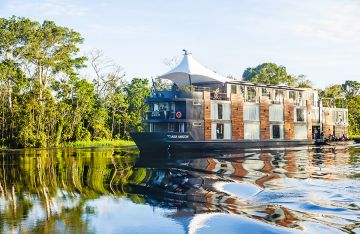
column 45, row 102
column 96, row 143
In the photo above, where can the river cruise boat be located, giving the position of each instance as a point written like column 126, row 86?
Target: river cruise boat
column 204, row 111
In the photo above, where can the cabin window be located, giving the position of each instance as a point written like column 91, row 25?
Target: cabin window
column 171, row 127
column 300, row 131
column 220, row 111
column 298, row 100
column 251, row 94
column 242, row 90
column 252, row 131
column 159, row 127
column 265, row 92
column 172, row 106
column 315, row 116
column 181, row 127
column 233, row 89
column 339, row 115
column 277, row 131
column 279, row 96
column 300, row 115
column 155, row 107
column 219, row 131
column 292, row 95
column 276, row 113
column 251, row 112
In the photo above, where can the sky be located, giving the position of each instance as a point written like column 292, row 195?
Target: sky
column 320, row 39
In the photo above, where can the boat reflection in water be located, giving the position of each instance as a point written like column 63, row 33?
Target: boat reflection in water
column 111, row 190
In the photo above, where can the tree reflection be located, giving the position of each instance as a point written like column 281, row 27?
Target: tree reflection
column 48, row 190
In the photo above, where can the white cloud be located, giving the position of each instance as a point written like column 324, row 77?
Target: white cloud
column 338, row 21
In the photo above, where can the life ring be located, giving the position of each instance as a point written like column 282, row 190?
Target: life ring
column 178, row 115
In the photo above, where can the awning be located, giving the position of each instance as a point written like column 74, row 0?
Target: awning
column 197, row 72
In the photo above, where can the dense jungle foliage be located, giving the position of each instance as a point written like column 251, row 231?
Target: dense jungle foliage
column 43, row 99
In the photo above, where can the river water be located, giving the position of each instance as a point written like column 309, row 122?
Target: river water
column 113, row 190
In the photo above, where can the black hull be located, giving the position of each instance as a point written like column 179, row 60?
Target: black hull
column 183, row 142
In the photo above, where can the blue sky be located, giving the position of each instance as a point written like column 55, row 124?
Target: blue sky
column 320, row 39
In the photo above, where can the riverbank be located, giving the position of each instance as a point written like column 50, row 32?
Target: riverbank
column 113, row 143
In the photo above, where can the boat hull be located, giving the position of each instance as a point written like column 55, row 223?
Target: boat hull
column 176, row 142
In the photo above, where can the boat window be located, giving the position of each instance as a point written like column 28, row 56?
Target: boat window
column 276, row 131
column 220, row 111
column 155, row 107
column 299, row 98
column 233, row 89
column 251, row 112
column 242, row 90
column 292, row 95
column 300, row 115
column 265, row 92
column 251, row 131
column 172, row 106
column 251, row 94
column 163, row 106
column 219, row 131
column 276, row 113
column 171, row 127
column 279, row 96
column 181, row 127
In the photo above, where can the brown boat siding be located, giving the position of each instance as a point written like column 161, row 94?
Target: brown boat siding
column 289, row 133
column 207, row 116
column 237, row 112
column 264, row 119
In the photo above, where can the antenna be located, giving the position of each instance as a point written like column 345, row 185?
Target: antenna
column 185, row 52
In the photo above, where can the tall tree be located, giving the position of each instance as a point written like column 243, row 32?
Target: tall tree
column 269, row 73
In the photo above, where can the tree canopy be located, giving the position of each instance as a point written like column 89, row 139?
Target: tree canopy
column 43, row 99
column 271, row 73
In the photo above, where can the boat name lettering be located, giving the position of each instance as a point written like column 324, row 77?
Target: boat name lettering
column 178, row 136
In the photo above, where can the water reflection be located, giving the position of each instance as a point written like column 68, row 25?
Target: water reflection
column 113, row 190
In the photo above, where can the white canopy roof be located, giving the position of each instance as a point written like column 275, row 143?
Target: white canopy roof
column 197, row 72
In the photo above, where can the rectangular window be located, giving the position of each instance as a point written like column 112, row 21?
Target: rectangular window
column 171, row 127
column 181, row 127
column 233, row 89
column 220, row 111
column 251, row 112
column 276, row 131
column 300, row 115
column 156, row 107
column 265, row 92
column 279, row 96
column 252, row 131
column 251, row 94
column 300, row 131
column 172, row 107
column 219, row 131
column 196, row 103
column 276, row 113
column 292, row 95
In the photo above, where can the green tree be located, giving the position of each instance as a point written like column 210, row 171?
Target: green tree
column 269, row 73
column 136, row 92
